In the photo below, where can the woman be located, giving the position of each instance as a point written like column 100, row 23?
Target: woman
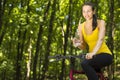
column 92, row 33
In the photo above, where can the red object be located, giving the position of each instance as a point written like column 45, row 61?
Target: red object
column 72, row 72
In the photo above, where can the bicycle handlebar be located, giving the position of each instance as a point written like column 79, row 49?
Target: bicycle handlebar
column 60, row 57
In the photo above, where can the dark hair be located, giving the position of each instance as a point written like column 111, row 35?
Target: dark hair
column 94, row 22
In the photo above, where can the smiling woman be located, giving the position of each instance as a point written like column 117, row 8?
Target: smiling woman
column 92, row 33
column 87, row 12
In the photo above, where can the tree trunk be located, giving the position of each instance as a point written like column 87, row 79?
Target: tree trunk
column 30, row 46
column 62, row 74
column 20, row 49
column 45, row 63
column 2, row 9
column 41, row 25
column 38, row 42
column 110, row 35
column 29, row 61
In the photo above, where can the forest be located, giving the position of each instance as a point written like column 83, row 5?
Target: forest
column 33, row 30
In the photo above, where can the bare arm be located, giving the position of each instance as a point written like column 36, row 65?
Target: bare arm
column 82, row 46
column 100, row 37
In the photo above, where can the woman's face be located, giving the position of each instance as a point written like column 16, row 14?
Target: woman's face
column 87, row 12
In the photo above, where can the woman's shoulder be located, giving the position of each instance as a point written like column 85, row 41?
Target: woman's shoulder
column 81, row 25
column 100, row 21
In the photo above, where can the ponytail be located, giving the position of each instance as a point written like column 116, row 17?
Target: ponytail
column 94, row 22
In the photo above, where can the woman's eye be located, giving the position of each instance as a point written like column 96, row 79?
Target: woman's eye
column 87, row 11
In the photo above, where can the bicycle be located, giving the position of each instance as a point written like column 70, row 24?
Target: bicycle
column 73, row 71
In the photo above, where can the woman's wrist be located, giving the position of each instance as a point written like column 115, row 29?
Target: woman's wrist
column 94, row 52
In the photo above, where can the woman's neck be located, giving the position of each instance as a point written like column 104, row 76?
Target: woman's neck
column 89, row 21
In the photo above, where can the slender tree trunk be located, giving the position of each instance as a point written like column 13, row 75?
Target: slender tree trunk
column 18, row 66
column 30, row 46
column 29, row 61
column 3, row 76
column 110, row 35
column 45, row 64
column 41, row 25
column 20, row 49
column 1, row 12
column 66, row 35
column 38, row 42
column 111, row 25
column 2, row 9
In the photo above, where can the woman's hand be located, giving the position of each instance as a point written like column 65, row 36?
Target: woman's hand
column 89, row 55
column 76, row 42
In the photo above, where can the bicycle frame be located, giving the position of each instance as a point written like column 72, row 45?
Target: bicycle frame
column 72, row 71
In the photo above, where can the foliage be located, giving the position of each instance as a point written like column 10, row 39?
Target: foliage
column 21, row 21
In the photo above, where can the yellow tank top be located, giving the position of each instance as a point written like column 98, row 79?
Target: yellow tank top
column 91, row 40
